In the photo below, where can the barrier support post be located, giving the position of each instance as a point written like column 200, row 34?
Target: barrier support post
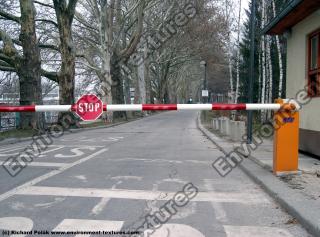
column 286, row 140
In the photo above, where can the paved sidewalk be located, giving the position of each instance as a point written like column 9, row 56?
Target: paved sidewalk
column 297, row 194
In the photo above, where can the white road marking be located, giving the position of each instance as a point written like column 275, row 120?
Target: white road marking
column 16, row 223
column 112, row 139
column 49, row 204
column 18, row 206
column 48, row 175
column 219, row 212
column 17, row 148
column 42, row 164
column 88, row 140
column 51, row 150
column 176, row 230
column 81, row 177
column 4, row 153
column 255, row 231
column 199, row 162
column 71, row 139
column 174, row 181
column 80, row 146
column 139, row 178
column 41, row 153
column 88, row 225
column 97, row 209
column 11, row 148
column 243, row 197
column 76, row 152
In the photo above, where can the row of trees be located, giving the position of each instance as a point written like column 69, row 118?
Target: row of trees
column 110, row 46
column 270, row 58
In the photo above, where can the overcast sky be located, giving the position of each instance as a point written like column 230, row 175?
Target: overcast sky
column 245, row 5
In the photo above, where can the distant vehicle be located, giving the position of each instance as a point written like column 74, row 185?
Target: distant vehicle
column 190, row 101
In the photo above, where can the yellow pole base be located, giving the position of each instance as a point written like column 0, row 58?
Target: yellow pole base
column 286, row 140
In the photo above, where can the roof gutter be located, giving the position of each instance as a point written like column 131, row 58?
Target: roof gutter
column 289, row 7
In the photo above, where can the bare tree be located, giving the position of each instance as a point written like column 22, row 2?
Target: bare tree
column 27, row 64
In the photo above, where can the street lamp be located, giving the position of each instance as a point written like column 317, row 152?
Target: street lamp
column 205, row 93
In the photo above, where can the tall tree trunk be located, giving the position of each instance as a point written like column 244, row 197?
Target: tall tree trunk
column 105, row 73
column 281, row 74
column 238, row 54
column 227, row 14
column 105, row 79
column 30, row 67
column 66, row 77
column 141, row 83
column 147, row 79
column 263, row 63
column 117, row 84
column 270, row 74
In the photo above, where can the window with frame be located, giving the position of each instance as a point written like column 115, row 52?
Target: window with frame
column 314, row 64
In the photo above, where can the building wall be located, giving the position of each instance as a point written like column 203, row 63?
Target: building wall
column 297, row 80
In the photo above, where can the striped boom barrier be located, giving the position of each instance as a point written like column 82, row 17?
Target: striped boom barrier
column 147, row 107
column 286, row 121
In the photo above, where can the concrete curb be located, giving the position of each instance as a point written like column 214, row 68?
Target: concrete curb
column 305, row 210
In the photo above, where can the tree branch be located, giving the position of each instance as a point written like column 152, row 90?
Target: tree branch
column 49, row 46
column 43, row 46
column 43, row 4
column 7, row 69
column 9, row 16
column 53, row 76
column 48, row 21
column 81, row 19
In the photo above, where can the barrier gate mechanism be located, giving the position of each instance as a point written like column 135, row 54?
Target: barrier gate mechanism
column 286, row 121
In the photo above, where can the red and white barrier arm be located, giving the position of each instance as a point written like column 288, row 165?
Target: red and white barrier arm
column 141, row 107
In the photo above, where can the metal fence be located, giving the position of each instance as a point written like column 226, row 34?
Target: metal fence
column 8, row 122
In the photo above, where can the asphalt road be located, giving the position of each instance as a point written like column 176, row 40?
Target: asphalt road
column 155, row 172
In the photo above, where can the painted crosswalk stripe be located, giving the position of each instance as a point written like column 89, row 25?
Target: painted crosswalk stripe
column 225, row 197
column 88, row 225
column 219, row 211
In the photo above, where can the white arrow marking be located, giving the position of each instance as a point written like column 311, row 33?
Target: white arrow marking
column 76, row 152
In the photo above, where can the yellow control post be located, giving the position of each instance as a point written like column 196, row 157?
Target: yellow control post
column 286, row 139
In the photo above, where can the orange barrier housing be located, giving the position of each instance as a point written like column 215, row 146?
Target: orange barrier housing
column 286, row 140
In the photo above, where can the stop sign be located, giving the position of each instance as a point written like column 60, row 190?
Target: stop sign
column 89, row 107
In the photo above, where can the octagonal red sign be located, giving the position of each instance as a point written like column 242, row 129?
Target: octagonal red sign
column 89, row 107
